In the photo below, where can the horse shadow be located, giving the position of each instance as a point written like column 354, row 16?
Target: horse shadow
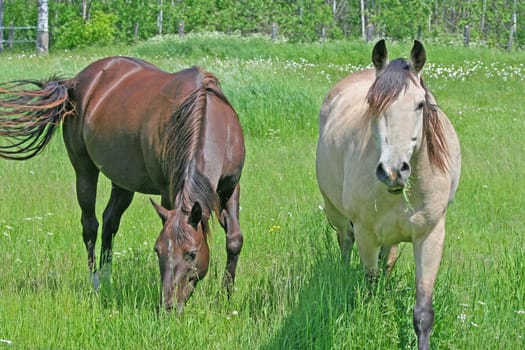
column 316, row 295
column 324, row 302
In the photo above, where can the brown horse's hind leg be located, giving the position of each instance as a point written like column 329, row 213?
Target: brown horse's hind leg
column 229, row 219
column 118, row 203
column 86, row 185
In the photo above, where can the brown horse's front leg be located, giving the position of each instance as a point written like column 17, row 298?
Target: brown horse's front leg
column 427, row 253
column 229, row 219
column 118, row 203
column 89, row 234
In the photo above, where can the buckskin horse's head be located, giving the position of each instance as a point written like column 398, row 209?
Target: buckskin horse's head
column 404, row 116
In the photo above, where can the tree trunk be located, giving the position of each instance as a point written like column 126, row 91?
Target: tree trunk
column 84, row 10
column 513, row 27
column 363, row 24
column 483, row 10
column 42, row 36
column 1, row 25
column 160, row 19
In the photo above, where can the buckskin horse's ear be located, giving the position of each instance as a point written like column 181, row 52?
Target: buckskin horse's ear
column 195, row 215
column 418, row 56
column 163, row 212
column 380, row 55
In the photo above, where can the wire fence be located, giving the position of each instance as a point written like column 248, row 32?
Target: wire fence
column 16, row 35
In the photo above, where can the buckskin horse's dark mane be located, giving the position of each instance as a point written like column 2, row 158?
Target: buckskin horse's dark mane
column 386, row 89
column 181, row 142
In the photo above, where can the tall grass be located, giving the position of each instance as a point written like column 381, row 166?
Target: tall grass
column 292, row 291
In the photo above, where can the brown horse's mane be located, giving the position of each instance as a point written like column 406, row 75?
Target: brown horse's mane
column 181, row 142
column 394, row 79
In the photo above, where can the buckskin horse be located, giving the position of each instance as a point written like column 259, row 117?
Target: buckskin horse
column 388, row 164
column 148, row 131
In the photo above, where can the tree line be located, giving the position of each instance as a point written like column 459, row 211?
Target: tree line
column 77, row 23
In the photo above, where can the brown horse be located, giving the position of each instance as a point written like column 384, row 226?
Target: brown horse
column 388, row 164
column 148, row 131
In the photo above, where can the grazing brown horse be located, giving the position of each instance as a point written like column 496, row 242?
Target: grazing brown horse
column 388, row 164
column 148, row 131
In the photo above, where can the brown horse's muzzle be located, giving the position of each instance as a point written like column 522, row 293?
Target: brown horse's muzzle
column 178, row 286
column 178, row 290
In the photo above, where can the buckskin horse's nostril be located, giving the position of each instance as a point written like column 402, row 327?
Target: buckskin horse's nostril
column 381, row 174
column 405, row 171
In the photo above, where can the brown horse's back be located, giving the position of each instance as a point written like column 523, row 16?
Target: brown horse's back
column 123, row 105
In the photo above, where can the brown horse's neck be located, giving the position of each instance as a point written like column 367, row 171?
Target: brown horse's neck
column 182, row 146
column 195, row 187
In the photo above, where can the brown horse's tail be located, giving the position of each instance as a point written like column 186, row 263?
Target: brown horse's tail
column 29, row 116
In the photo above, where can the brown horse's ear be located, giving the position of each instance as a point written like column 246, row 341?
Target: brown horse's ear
column 380, row 55
column 418, row 56
column 163, row 212
column 195, row 215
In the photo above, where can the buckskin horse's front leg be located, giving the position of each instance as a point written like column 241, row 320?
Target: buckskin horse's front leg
column 229, row 219
column 427, row 253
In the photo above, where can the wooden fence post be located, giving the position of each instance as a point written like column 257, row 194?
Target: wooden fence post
column 369, row 33
column 466, row 35
column 181, row 29
column 275, row 31
column 10, row 37
column 511, row 36
column 136, row 32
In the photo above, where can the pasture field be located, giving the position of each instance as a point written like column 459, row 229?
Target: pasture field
column 292, row 291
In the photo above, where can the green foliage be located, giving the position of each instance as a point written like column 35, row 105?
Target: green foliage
column 99, row 30
column 20, row 12
column 136, row 19
column 490, row 21
column 401, row 19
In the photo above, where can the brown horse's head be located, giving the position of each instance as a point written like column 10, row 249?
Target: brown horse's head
column 183, row 253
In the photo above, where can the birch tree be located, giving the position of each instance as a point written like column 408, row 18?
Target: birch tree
column 363, row 25
column 42, row 36
column 1, row 25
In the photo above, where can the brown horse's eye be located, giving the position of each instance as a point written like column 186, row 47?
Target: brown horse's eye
column 191, row 255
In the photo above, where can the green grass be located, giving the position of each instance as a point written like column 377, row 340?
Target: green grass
column 292, row 291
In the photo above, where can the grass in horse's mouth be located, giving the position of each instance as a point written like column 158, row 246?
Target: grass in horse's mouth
column 406, row 194
column 396, row 190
